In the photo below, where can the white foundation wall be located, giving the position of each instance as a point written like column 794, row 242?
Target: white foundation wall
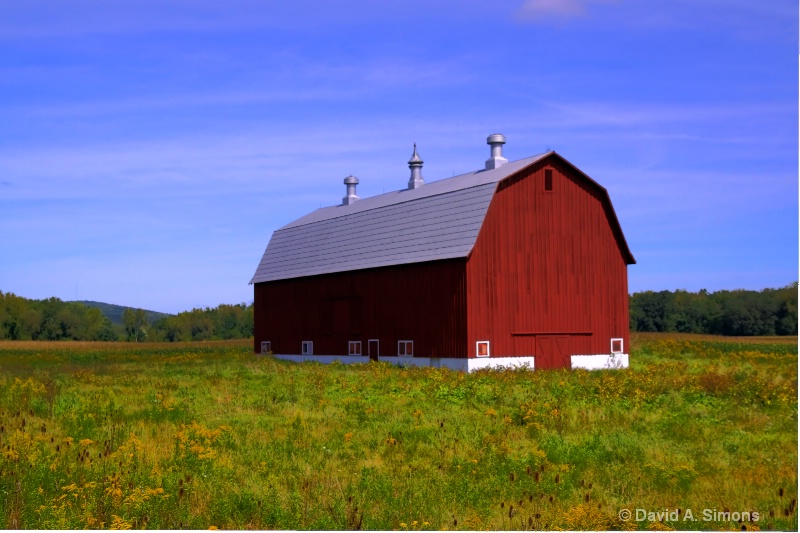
column 600, row 361
column 588, row 362
column 501, row 362
column 464, row 365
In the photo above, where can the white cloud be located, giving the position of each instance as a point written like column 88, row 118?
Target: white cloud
column 548, row 9
column 746, row 19
column 543, row 8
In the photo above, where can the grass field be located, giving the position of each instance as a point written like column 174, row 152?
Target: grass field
column 206, row 435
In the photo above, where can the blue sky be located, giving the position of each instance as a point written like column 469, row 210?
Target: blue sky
column 148, row 149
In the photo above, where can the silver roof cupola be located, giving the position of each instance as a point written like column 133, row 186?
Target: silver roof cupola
column 415, row 164
column 351, row 182
column 496, row 141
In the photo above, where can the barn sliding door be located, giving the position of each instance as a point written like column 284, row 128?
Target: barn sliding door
column 552, row 351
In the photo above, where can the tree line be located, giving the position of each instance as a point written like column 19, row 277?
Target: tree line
column 218, row 323
column 738, row 313
column 53, row 319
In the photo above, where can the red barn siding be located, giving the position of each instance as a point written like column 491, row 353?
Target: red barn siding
column 548, row 272
column 424, row 302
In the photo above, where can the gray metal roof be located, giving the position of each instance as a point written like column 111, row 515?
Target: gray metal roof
column 439, row 220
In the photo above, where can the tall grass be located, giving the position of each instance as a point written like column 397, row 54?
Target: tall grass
column 207, row 434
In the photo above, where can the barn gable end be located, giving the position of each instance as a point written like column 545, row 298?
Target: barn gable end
column 548, row 274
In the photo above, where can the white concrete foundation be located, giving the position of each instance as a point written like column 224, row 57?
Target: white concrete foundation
column 501, row 362
column 462, row 364
column 600, row 361
column 588, row 362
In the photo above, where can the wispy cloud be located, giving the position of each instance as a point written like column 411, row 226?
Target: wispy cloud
column 625, row 113
column 60, row 18
column 547, row 9
column 299, row 80
column 746, row 19
column 143, row 140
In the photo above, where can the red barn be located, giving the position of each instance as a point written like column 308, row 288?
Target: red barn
column 519, row 263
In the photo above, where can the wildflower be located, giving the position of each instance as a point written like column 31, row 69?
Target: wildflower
column 119, row 523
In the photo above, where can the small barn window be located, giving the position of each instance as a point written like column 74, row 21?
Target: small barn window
column 482, row 349
column 405, row 348
column 548, row 180
column 616, row 345
column 266, row 346
column 308, row 348
column 354, row 347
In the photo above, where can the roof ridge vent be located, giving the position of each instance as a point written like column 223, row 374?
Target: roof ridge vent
column 496, row 141
column 351, row 198
column 415, row 164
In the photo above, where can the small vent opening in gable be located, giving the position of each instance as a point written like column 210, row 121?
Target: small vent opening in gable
column 548, row 180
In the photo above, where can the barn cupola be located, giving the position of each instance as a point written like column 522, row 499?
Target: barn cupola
column 351, row 182
column 415, row 164
column 496, row 141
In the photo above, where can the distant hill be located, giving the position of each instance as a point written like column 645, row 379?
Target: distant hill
column 114, row 312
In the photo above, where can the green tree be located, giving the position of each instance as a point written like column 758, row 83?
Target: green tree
column 30, row 325
column 739, row 312
column 786, row 310
column 135, row 323
column 4, row 317
column 15, row 309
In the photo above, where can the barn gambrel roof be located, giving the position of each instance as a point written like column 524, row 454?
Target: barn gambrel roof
column 439, row 220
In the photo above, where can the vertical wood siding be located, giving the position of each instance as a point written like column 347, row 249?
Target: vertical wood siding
column 423, row 302
column 547, row 266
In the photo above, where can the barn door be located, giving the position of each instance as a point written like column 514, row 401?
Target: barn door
column 563, row 352
column 372, row 349
column 553, row 352
column 544, row 353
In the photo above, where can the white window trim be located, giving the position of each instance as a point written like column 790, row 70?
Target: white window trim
column 266, row 346
column 405, row 354
column 310, row 345
column 350, row 345
column 478, row 350
column 621, row 346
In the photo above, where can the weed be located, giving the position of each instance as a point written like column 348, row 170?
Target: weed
column 165, row 436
